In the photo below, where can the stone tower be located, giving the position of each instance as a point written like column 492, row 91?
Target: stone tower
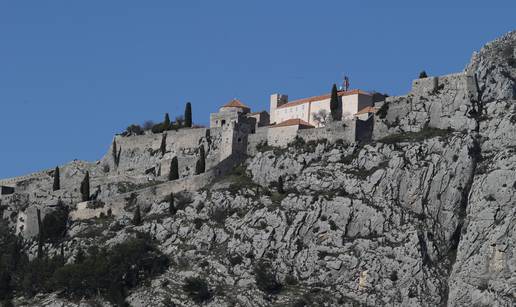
column 276, row 101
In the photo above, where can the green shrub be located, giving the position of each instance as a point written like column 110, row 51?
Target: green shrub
column 11, row 260
column 54, row 224
column 219, row 215
column 235, row 259
column 263, row 147
column 111, row 272
column 137, row 218
column 37, row 276
column 171, row 207
column 133, row 130
column 425, row 133
column 382, row 112
column 265, row 278
column 197, row 289
column 182, row 201
column 158, row 128
column 198, row 222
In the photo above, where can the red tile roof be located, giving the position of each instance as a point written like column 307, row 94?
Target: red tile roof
column 235, row 103
column 322, row 97
column 366, row 110
column 293, row 122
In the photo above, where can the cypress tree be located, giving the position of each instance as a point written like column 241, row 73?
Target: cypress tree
column 85, row 187
column 166, row 122
column 334, row 103
column 163, row 146
column 114, row 151
column 80, row 257
column 188, row 115
column 200, row 167
column 171, row 207
column 40, row 234
column 118, row 156
column 281, row 189
column 61, row 255
column 137, row 218
column 57, row 181
column 174, row 169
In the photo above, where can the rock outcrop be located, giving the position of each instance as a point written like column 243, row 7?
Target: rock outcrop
column 424, row 215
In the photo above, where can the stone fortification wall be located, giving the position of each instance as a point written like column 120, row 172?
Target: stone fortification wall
column 143, row 151
column 237, row 134
column 142, row 154
column 339, row 130
column 253, row 140
column 349, row 131
column 12, row 181
column 436, row 102
column 281, row 136
column 117, row 205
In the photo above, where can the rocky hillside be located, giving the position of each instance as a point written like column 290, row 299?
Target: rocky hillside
column 424, row 215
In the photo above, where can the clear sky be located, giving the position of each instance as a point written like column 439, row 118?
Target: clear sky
column 74, row 73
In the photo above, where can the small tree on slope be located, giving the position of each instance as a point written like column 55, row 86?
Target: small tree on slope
column 200, row 167
column 334, row 103
column 57, row 181
column 188, row 115
column 85, row 187
column 174, row 169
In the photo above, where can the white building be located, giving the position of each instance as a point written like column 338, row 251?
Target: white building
column 350, row 103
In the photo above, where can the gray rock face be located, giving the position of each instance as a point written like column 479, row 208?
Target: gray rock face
column 423, row 216
column 398, row 205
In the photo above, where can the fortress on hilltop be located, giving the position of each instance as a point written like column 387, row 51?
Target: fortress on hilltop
column 308, row 118
column 139, row 167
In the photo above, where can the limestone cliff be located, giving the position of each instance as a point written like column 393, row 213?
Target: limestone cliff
column 424, row 215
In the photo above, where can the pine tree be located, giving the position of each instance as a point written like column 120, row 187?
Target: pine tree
column 163, row 146
column 57, row 180
column 166, row 122
column 423, row 75
column 188, row 115
column 85, row 187
column 281, row 188
column 334, row 103
column 171, row 207
column 200, row 167
column 137, row 218
column 174, row 169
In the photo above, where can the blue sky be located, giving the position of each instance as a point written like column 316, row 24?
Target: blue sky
column 74, row 73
